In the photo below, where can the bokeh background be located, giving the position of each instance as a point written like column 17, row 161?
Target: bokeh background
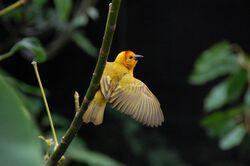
column 171, row 35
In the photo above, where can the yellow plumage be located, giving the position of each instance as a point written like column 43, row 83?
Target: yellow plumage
column 125, row 93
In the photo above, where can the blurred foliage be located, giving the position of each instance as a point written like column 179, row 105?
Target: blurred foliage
column 29, row 45
column 44, row 27
column 143, row 142
column 29, row 94
column 214, row 62
column 227, row 104
column 14, row 104
column 78, row 150
column 163, row 157
column 20, row 102
column 39, row 17
column 18, row 141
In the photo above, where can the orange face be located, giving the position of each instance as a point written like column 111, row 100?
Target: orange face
column 128, row 59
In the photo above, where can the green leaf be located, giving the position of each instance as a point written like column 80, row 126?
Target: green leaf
column 84, row 43
column 18, row 141
column 81, row 20
column 22, row 86
column 247, row 99
column 233, row 138
column 93, row 13
column 27, row 44
column 217, row 96
column 63, row 8
column 33, row 103
column 236, row 84
column 247, row 109
column 33, row 45
column 220, row 123
column 226, row 91
column 218, row 60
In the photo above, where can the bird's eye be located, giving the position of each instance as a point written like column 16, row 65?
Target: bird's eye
column 131, row 57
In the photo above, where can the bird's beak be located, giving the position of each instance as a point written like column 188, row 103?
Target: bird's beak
column 138, row 57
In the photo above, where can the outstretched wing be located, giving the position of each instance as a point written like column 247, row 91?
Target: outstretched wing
column 132, row 97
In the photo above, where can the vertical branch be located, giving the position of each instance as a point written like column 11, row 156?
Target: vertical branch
column 94, row 84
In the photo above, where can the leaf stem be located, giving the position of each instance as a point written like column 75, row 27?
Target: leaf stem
column 12, row 7
column 94, row 84
column 46, row 103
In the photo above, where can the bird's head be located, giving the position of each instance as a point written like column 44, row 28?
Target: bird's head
column 128, row 59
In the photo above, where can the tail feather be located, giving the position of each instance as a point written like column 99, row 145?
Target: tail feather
column 95, row 110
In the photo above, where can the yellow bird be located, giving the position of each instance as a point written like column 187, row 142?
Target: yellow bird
column 125, row 93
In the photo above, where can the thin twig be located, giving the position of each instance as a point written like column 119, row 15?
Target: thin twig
column 94, row 84
column 5, row 56
column 46, row 103
column 12, row 7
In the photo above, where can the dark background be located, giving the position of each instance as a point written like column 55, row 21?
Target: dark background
column 170, row 35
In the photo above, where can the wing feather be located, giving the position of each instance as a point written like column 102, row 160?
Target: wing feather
column 148, row 113
column 115, row 95
column 132, row 97
column 106, row 83
column 155, row 112
column 143, row 113
column 140, row 112
column 153, row 120
column 135, row 111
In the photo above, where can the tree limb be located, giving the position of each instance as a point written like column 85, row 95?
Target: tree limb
column 94, row 84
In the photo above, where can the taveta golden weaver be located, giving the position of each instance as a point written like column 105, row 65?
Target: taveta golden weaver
column 125, row 93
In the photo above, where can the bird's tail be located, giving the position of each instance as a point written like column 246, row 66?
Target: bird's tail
column 95, row 109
